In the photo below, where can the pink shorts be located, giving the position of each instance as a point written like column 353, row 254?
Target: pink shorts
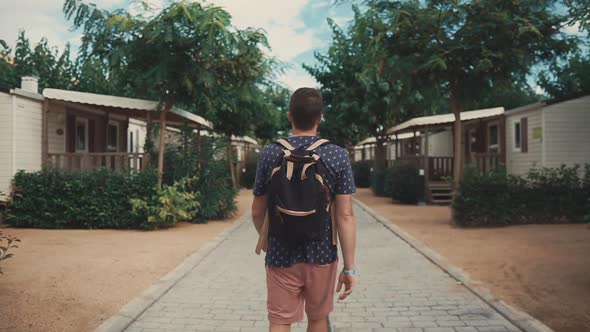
column 292, row 287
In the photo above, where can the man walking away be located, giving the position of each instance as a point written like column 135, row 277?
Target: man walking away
column 302, row 205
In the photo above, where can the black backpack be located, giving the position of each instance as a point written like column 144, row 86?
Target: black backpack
column 298, row 197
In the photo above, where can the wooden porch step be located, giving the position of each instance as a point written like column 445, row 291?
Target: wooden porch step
column 444, row 195
column 439, row 185
column 441, row 193
column 442, row 201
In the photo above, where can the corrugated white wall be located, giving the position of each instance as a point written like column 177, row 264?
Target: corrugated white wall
column 518, row 163
column 567, row 133
column 5, row 142
column 27, row 135
column 56, row 120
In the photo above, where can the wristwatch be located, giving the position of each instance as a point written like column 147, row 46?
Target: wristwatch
column 349, row 272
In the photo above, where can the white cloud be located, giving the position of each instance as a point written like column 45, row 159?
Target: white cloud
column 573, row 29
column 38, row 20
column 298, row 78
column 538, row 90
column 280, row 19
column 41, row 18
column 287, row 34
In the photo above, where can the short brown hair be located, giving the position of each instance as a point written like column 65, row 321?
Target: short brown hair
column 306, row 108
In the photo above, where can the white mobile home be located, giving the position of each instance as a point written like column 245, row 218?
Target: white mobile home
column 548, row 135
column 74, row 130
column 20, row 134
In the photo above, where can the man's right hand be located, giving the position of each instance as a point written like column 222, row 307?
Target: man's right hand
column 348, row 281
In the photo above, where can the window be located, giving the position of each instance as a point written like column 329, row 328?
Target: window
column 493, row 138
column 471, row 141
column 113, row 136
column 517, row 135
column 81, row 135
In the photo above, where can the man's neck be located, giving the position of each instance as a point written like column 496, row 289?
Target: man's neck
column 313, row 132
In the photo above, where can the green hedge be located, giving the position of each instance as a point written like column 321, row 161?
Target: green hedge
column 213, row 186
column 406, row 184
column 402, row 182
column 103, row 198
column 247, row 178
column 168, row 205
column 217, row 198
column 381, row 182
column 94, row 199
column 556, row 195
column 362, row 173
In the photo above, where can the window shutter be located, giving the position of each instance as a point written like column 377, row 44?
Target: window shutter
column 70, row 133
column 482, row 133
column 100, row 144
column 91, row 135
column 524, row 137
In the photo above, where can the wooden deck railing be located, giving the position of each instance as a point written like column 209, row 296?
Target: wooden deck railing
column 88, row 161
column 485, row 162
column 438, row 167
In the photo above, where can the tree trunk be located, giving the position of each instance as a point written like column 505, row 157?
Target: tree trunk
column 380, row 160
column 162, row 147
column 230, row 160
column 457, row 108
column 168, row 106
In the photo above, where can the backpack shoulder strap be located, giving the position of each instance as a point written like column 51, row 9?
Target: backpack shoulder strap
column 317, row 144
column 283, row 142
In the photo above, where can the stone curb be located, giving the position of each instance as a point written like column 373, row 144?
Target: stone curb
column 133, row 309
column 519, row 318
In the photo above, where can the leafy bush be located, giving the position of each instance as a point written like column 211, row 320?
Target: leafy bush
column 167, row 206
column 206, row 160
column 405, row 183
column 248, row 177
column 484, row 198
column 549, row 195
column 5, row 248
column 362, row 173
column 93, row 199
column 381, row 182
column 217, row 194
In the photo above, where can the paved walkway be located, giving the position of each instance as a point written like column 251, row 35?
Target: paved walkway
column 398, row 290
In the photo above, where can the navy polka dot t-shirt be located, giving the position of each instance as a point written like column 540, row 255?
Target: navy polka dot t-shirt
column 340, row 181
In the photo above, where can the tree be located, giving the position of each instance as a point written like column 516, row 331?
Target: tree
column 466, row 47
column 519, row 93
column 7, row 74
column 53, row 69
column 272, row 120
column 187, row 54
column 568, row 79
column 579, row 12
column 92, row 75
column 365, row 88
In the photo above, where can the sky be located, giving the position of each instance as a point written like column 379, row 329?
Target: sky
column 295, row 28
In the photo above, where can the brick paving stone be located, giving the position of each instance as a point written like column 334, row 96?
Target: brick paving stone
column 398, row 290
